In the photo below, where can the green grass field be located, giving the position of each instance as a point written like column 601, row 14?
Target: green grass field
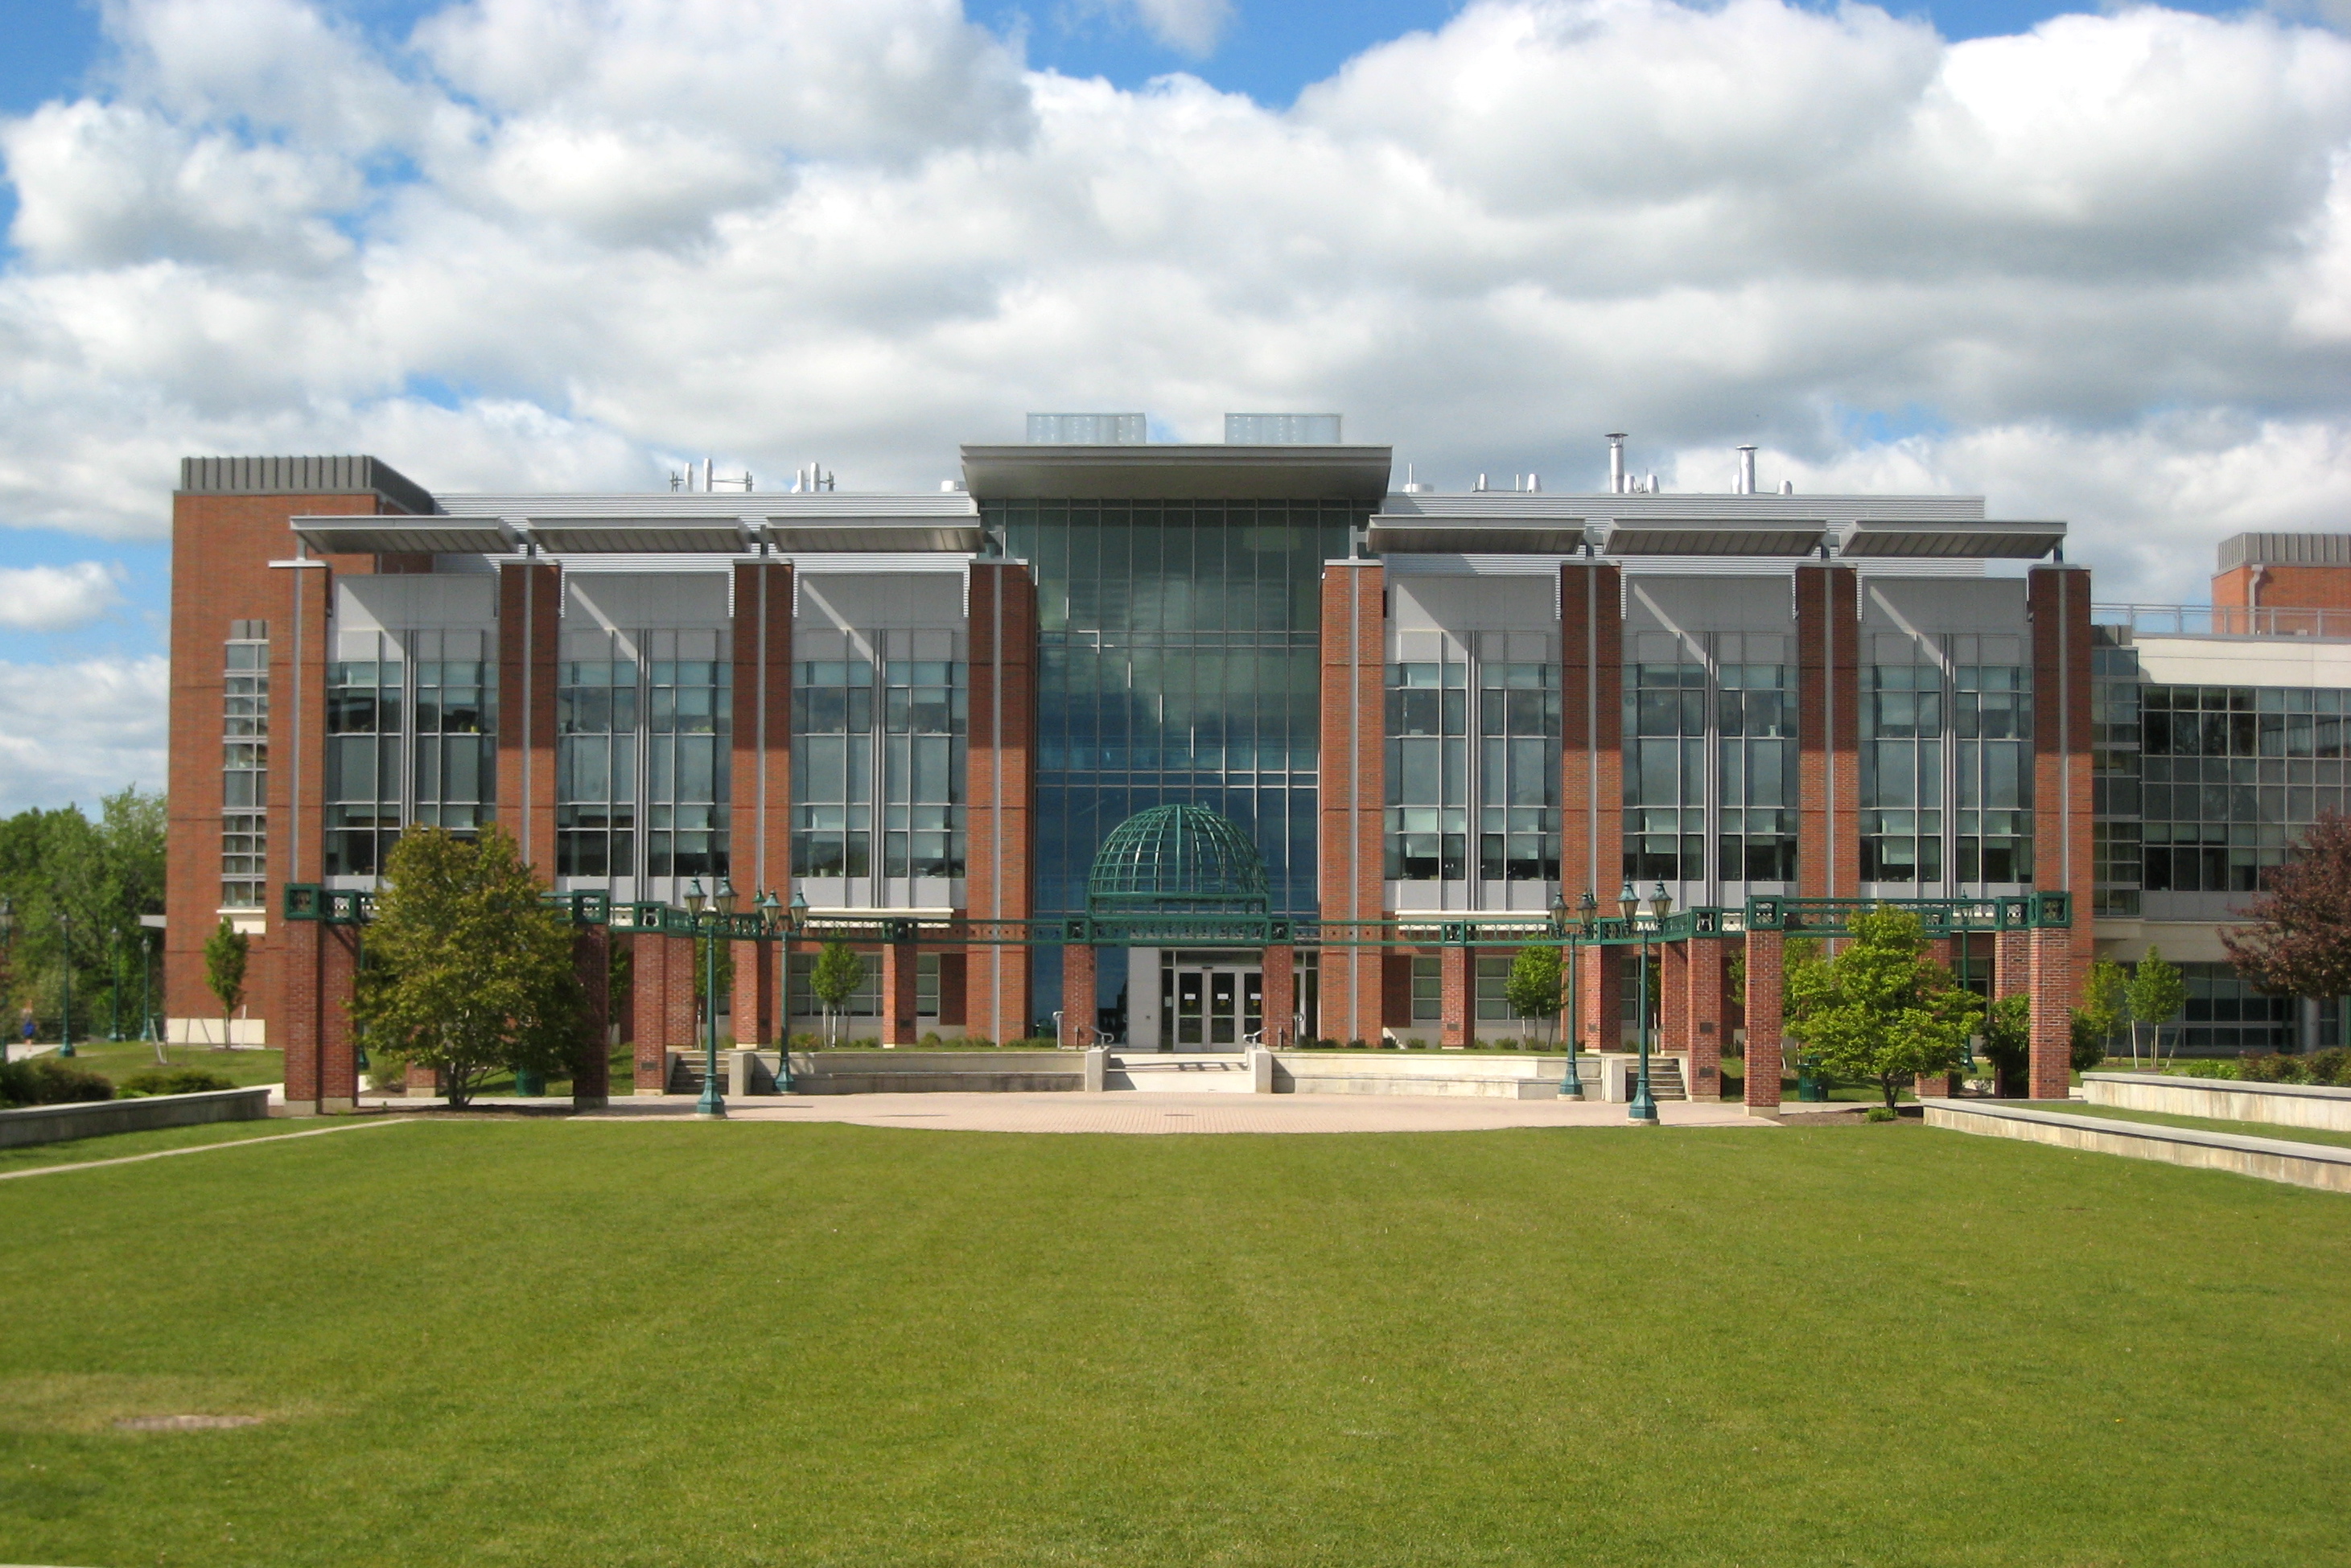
column 2205, row 1123
column 119, row 1061
column 549, row 1341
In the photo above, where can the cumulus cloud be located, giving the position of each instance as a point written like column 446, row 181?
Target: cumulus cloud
column 57, row 597
column 2097, row 270
column 78, row 731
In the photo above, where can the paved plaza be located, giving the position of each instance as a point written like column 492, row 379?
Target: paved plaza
column 1179, row 1113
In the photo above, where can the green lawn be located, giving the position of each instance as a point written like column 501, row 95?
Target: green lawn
column 685, row 1343
column 119, row 1061
column 2202, row 1123
column 75, row 1151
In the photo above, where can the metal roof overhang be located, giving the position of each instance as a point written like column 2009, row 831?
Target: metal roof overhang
column 1562, row 536
column 810, row 539
column 1967, row 540
column 405, row 535
column 1713, row 536
column 639, row 536
column 1168, row 472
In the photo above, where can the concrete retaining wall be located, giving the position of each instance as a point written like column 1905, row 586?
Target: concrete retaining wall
column 2222, row 1100
column 1521, row 1077
column 2271, row 1159
column 923, row 1072
column 57, row 1124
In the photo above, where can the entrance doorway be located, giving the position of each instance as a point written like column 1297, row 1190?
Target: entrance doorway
column 1210, row 1003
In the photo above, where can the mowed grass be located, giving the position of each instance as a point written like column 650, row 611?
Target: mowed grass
column 2201, row 1123
column 120, row 1060
column 680, row 1343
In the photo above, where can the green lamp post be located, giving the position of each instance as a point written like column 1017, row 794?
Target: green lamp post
column 114, row 992
column 712, row 1106
column 1644, row 1108
column 773, row 920
column 65, row 1027
column 1571, row 1086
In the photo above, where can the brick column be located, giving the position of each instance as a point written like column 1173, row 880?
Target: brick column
column 2057, row 601
column 2012, row 961
column 1704, row 1007
column 339, row 1076
column 1281, row 996
column 1600, row 996
column 753, row 995
column 1354, row 805
column 1078, row 1003
column 300, row 649
column 898, row 972
column 301, row 969
column 2053, row 983
column 592, row 1066
column 530, row 609
column 954, row 968
column 1457, row 1009
column 1395, row 996
column 1001, row 788
column 1828, row 716
column 1764, row 1059
column 1673, row 1021
column 1592, row 725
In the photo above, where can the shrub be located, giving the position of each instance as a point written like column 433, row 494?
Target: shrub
column 388, row 1071
column 173, row 1080
column 979, row 1042
column 2331, row 1065
column 2270, row 1067
column 2201, row 1068
column 1325, row 1043
column 46, row 1081
column 1416, row 1045
column 806, row 1041
column 1354, row 1045
column 930, row 1040
column 1880, row 1114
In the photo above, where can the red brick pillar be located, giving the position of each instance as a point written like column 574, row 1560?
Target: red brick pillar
column 1281, row 996
column 1704, row 1010
column 1458, row 1008
column 1395, row 996
column 754, row 995
column 1600, row 996
column 898, row 971
column 1354, row 804
column 1673, row 961
column 648, row 1000
column 1764, row 1059
column 2012, row 963
column 1828, row 718
column 1592, row 757
column 592, row 1066
column 338, row 1077
column 2057, row 602
column 954, row 969
column 2054, row 984
column 530, row 614
column 1000, row 784
column 300, row 971
column 1078, row 1003
column 1939, row 1085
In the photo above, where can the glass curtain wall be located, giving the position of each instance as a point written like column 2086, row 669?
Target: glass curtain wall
column 1437, row 781
column 643, row 767
column 2116, row 855
column 244, row 765
column 1177, row 663
column 411, row 738
column 1946, row 763
column 1709, row 761
column 2233, row 774
column 901, row 720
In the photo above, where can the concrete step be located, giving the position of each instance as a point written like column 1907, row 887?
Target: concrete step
column 1168, row 1073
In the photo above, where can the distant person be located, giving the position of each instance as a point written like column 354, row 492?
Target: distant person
column 25, row 1022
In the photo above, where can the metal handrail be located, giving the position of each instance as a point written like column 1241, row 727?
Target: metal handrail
column 2224, row 620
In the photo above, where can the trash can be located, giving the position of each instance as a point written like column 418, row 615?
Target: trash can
column 529, row 1083
column 1809, row 1087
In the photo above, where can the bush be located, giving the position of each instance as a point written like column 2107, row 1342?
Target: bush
column 2204, row 1068
column 805, row 1041
column 388, row 1071
column 2331, row 1065
column 46, row 1081
column 1880, row 1114
column 1354, row 1045
column 173, row 1080
column 1325, row 1043
column 1416, row 1045
column 930, row 1040
column 2270, row 1067
column 979, row 1042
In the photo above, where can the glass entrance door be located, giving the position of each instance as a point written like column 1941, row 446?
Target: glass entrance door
column 1210, row 1007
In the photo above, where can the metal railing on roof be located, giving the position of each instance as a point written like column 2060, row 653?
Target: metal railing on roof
column 2224, row 620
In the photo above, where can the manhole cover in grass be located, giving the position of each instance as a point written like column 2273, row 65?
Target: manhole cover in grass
column 184, row 1423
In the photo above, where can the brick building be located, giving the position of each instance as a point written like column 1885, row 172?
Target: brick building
column 1430, row 713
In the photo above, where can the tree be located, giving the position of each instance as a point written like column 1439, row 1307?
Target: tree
column 2008, row 1044
column 2301, row 943
column 227, row 951
column 2156, row 993
column 1882, row 1008
column 839, row 972
column 1533, row 988
column 2100, row 1014
column 472, row 970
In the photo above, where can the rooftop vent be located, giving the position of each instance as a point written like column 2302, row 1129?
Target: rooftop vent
column 1281, row 429
column 1087, row 430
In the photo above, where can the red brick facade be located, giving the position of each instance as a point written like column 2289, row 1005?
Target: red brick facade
column 530, row 611
column 899, row 973
column 1703, row 1009
column 1002, row 781
column 1828, row 712
column 1765, row 1058
column 1592, row 726
column 2057, row 599
column 1281, row 996
column 760, row 823
column 1078, row 997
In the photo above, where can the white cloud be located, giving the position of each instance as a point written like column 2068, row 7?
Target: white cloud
column 75, row 732
column 57, row 597
column 2105, row 260
column 1192, row 27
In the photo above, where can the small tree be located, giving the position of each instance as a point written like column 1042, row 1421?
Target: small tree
column 473, row 970
column 2156, row 992
column 2100, row 1014
column 839, row 972
column 1882, row 1008
column 2008, row 1044
column 227, row 951
column 1533, row 988
column 2301, row 943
